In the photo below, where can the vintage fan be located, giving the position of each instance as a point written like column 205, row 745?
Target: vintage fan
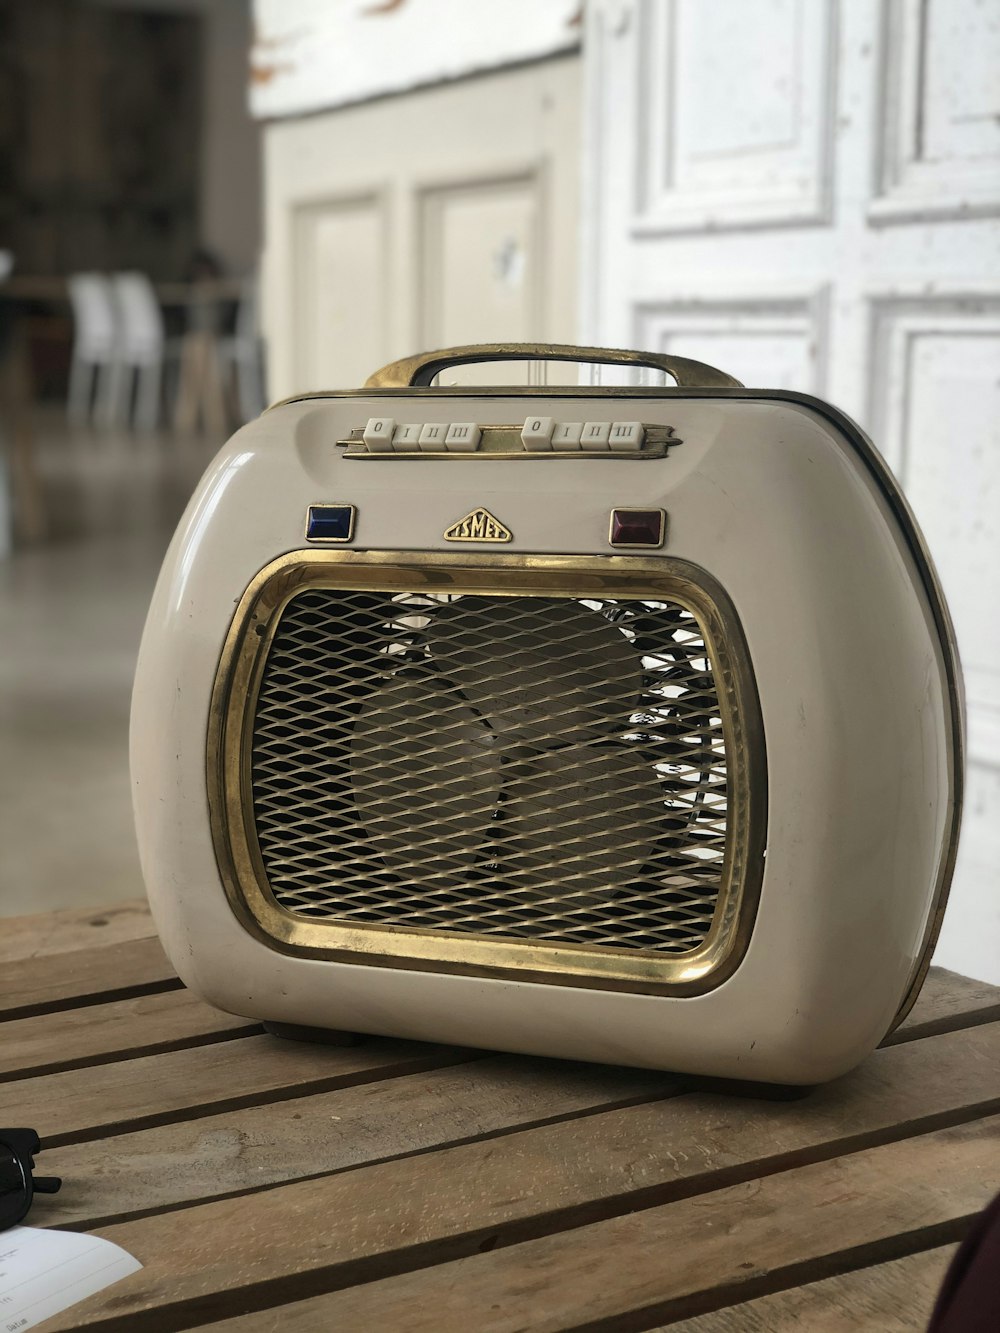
column 616, row 724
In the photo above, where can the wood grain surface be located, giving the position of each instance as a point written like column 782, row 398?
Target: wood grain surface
column 86, row 976
column 95, row 1101
column 72, row 1038
column 895, row 1092
column 412, row 1211
column 273, row 1185
column 894, row 1297
column 46, row 933
column 666, row 1261
column 242, row 1152
column 947, row 1001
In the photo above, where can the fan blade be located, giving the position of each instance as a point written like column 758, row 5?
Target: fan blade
column 425, row 777
column 578, row 823
column 544, row 673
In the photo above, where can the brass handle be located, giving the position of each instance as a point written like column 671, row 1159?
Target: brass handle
column 414, row 371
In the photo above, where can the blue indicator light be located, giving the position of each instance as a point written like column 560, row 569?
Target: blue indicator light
column 330, row 523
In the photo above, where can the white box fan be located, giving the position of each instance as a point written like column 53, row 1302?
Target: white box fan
column 618, row 724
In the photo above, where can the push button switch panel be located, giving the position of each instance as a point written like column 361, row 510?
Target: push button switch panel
column 535, row 437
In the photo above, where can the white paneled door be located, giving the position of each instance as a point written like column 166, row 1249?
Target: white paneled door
column 807, row 194
column 425, row 219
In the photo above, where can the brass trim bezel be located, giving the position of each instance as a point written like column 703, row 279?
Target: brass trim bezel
column 331, row 541
column 233, row 707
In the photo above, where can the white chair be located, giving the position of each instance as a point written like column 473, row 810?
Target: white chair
column 92, row 375
column 244, row 352
column 141, row 349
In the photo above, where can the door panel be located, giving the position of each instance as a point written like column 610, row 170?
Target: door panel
column 760, row 342
column 938, row 132
column 479, row 262
column 339, row 277
column 733, row 95
column 808, row 195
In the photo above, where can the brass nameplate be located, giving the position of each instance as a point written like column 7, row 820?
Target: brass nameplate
column 478, row 526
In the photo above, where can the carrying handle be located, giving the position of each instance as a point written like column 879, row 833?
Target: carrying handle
column 418, row 371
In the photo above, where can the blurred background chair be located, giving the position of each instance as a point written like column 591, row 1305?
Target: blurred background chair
column 141, row 350
column 92, row 373
column 242, row 353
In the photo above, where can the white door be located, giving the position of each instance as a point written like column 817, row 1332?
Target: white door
column 807, row 195
column 426, row 219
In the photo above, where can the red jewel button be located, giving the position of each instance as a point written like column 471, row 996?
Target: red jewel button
column 637, row 527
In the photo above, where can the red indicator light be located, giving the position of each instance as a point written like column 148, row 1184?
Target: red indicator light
column 637, row 527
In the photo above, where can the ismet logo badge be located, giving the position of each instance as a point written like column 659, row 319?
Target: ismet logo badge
column 479, row 526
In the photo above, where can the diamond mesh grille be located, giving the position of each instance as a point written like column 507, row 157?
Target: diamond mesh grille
column 521, row 767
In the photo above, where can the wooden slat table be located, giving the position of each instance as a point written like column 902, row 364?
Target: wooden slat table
column 270, row 1185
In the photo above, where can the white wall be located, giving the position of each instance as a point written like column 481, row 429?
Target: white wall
column 313, row 55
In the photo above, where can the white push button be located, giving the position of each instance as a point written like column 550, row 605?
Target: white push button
column 536, row 433
column 378, row 435
column 432, row 436
column 566, row 436
column 596, row 435
column 462, row 437
column 626, row 436
column 406, row 440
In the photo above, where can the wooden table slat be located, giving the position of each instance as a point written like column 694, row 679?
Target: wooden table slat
column 119, row 1098
column 84, row 976
column 320, row 1134
column 46, row 933
column 99, row 1033
column 441, row 1205
column 277, row 1143
column 811, row 1220
column 894, row 1297
column 947, row 1002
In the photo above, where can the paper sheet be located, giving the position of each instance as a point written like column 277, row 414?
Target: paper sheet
column 43, row 1272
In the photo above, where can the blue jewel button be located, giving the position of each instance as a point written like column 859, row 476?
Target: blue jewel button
column 330, row 523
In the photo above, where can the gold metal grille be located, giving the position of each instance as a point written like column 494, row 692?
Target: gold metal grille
column 536, row 768
column 540, row 766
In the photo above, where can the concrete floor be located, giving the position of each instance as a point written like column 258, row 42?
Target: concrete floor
column 71, row 614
